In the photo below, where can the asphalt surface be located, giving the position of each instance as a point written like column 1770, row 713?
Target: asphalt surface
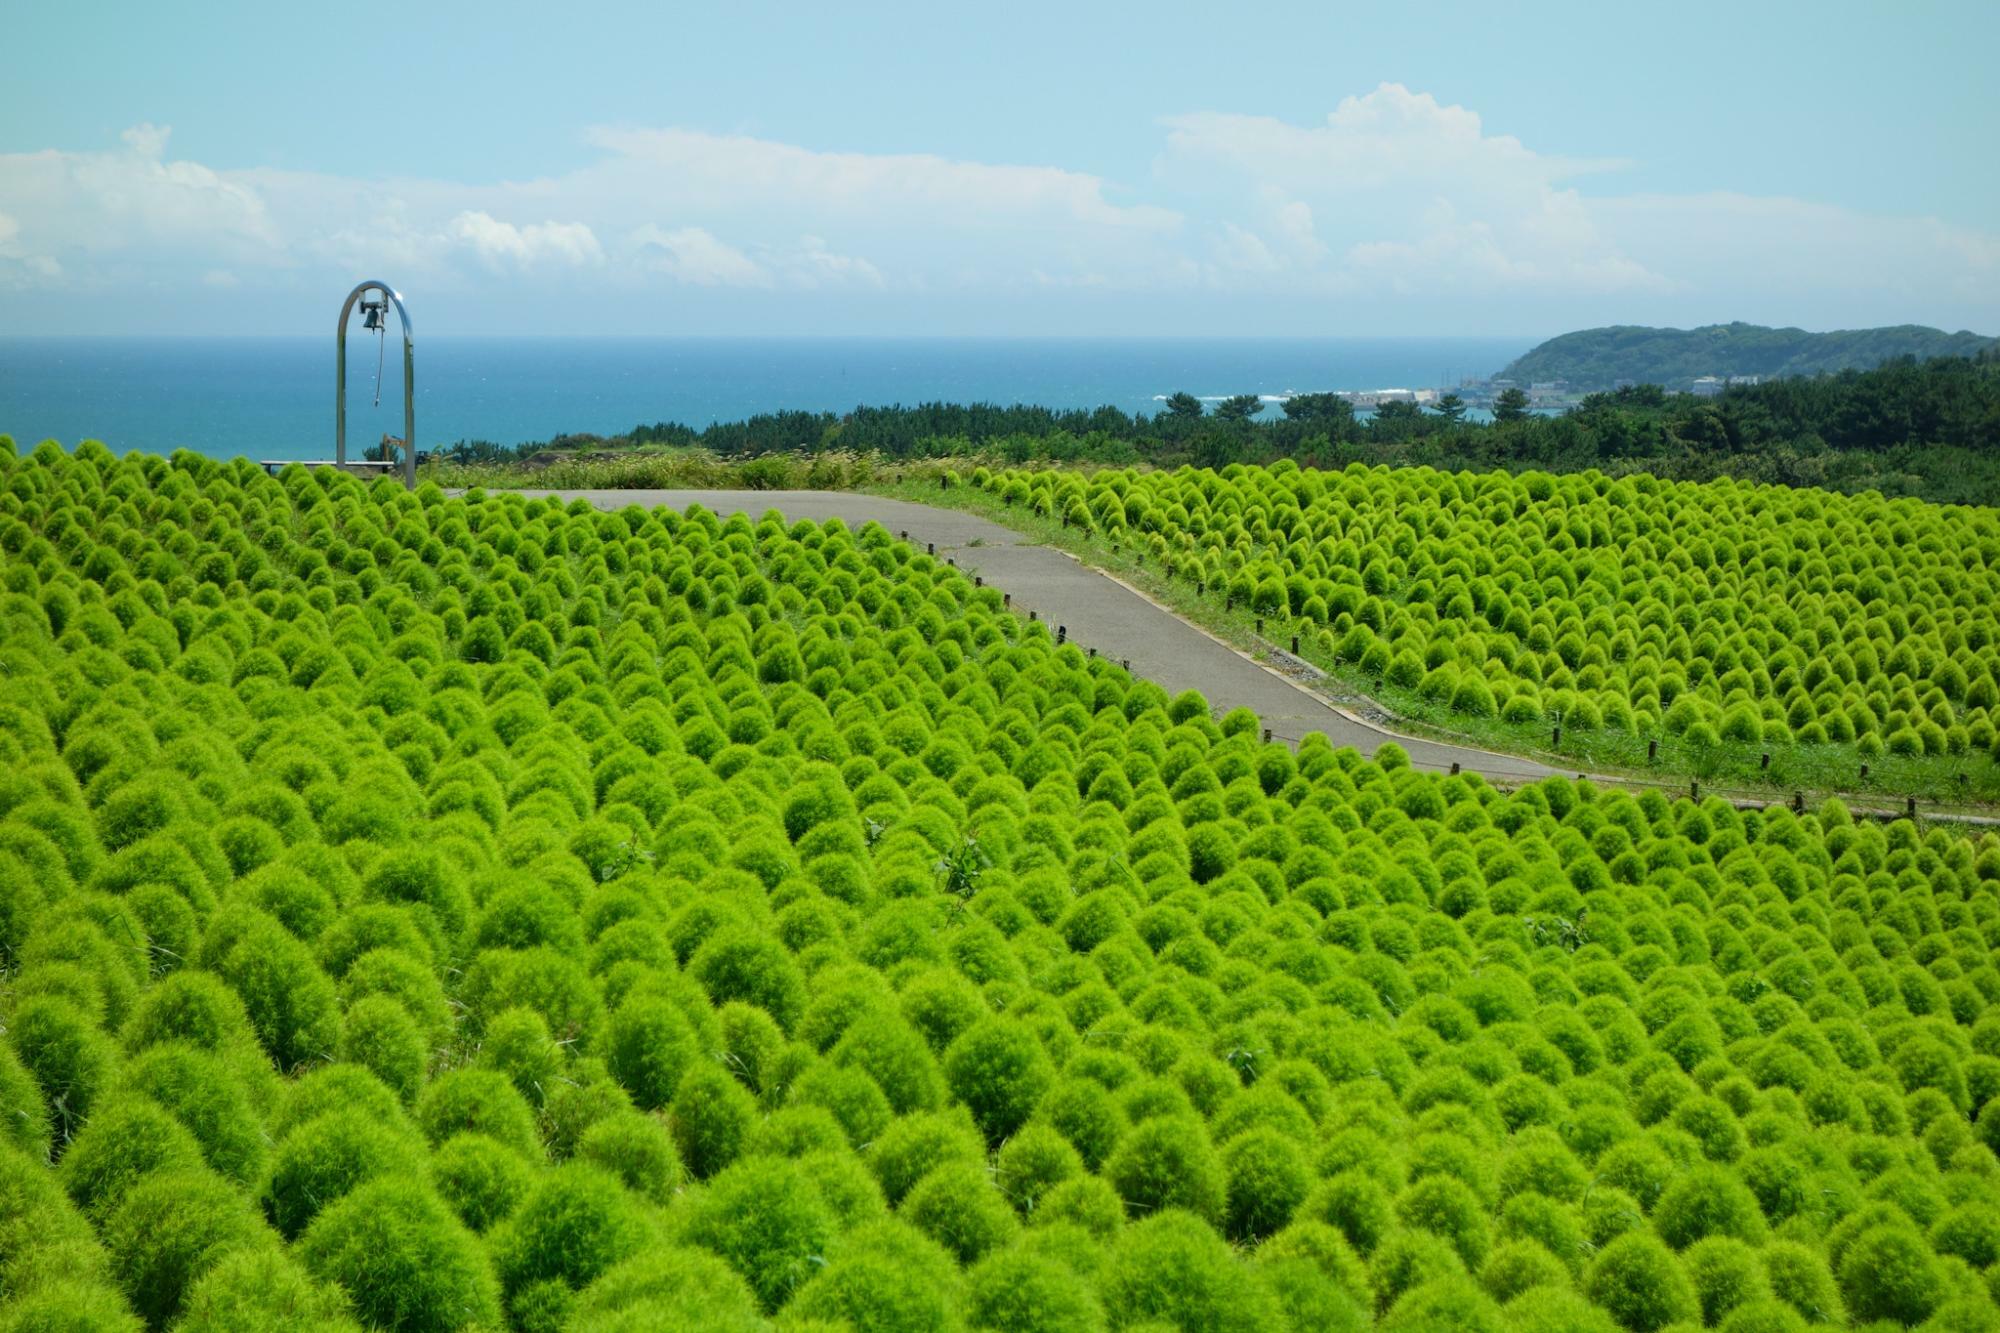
column 1095, row 611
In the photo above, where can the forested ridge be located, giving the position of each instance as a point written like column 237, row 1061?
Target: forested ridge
column 1602, row 358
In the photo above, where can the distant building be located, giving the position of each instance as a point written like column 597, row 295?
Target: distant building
column 1735, row 380
column 1708, row 386
column 1365, row 399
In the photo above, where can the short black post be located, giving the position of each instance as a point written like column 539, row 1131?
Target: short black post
column 1125, row 663
column 951, row 560
column 1229, row 601
column 1267, row 735
column 1798, row 802
column 1031, row 617
column 1652, row 749
column 1556, row 737
column 944, row 481
column 1093, row 654
column 1062, row 633
column 1864, row 772
column 1694, row 789
column 1295, row 645
column 1910, row 807
column 930, row 548
column 1454, row 768
column 1260, row 626
column 905, row 534
column 978, row 580
column 1764, row 763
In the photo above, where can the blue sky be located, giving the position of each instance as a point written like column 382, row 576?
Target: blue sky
column 1032, row 169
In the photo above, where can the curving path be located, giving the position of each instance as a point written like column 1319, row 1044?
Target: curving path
column 1097, row 611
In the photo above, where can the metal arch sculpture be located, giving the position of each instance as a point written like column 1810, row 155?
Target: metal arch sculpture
column 394, row 298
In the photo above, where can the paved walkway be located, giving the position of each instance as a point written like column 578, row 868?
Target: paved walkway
column 1097, row 612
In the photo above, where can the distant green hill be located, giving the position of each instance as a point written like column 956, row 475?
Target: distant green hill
column 1599, row 358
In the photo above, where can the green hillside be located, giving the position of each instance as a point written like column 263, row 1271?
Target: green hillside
column 1595, row 359
column 474, row 914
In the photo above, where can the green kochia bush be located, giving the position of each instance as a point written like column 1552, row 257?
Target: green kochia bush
column 999, row 1071
column 1019, row 1292
column 169, row 1230
column 1167, row 1162
column 325, row 1158
column 1641, row 1283
column 404, row 1261
column 1890, row 1273
column 1174, row 1270
column 765, row 1218
column 575, row 1223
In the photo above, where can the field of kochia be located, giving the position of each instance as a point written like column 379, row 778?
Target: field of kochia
column 1721, row 612
column 431, row 914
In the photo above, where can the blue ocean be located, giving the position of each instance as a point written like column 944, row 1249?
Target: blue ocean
column 274, row 397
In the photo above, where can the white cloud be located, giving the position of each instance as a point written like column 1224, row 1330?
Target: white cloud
column 692, row 255
column 1761, row 243
column 503, row 243
column 130, row 204
column 1398, row 192
column 709, row 172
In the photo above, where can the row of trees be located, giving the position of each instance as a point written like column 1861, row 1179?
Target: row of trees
column 1906, row 428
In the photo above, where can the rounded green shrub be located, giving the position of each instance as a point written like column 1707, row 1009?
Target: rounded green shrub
column 915, row 1145
column 958, row 1206
column 1642, row 1284
column 169, row 1230
column 886, row 1275
column 711, row 1116
column 1515, row 1266
column 128, row 1140
column 1268, row 1179
column 763, row 1216
column 1033, row 1162
column 480, row 1178
column 1726, row 1274
column 999, row 1071
column 1014, row 1291
column 1888, row 1272
column 1708, row 1201
column 636, row 1148
column 380, row 1036
column 1168, row 1162
column 648, row 1048
column 258, row 1289
column 576, row 1222
column 667, row 1287
column 323, row 1159
column 482, row 1101
column 1173, row 1270
column 404, row 1261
